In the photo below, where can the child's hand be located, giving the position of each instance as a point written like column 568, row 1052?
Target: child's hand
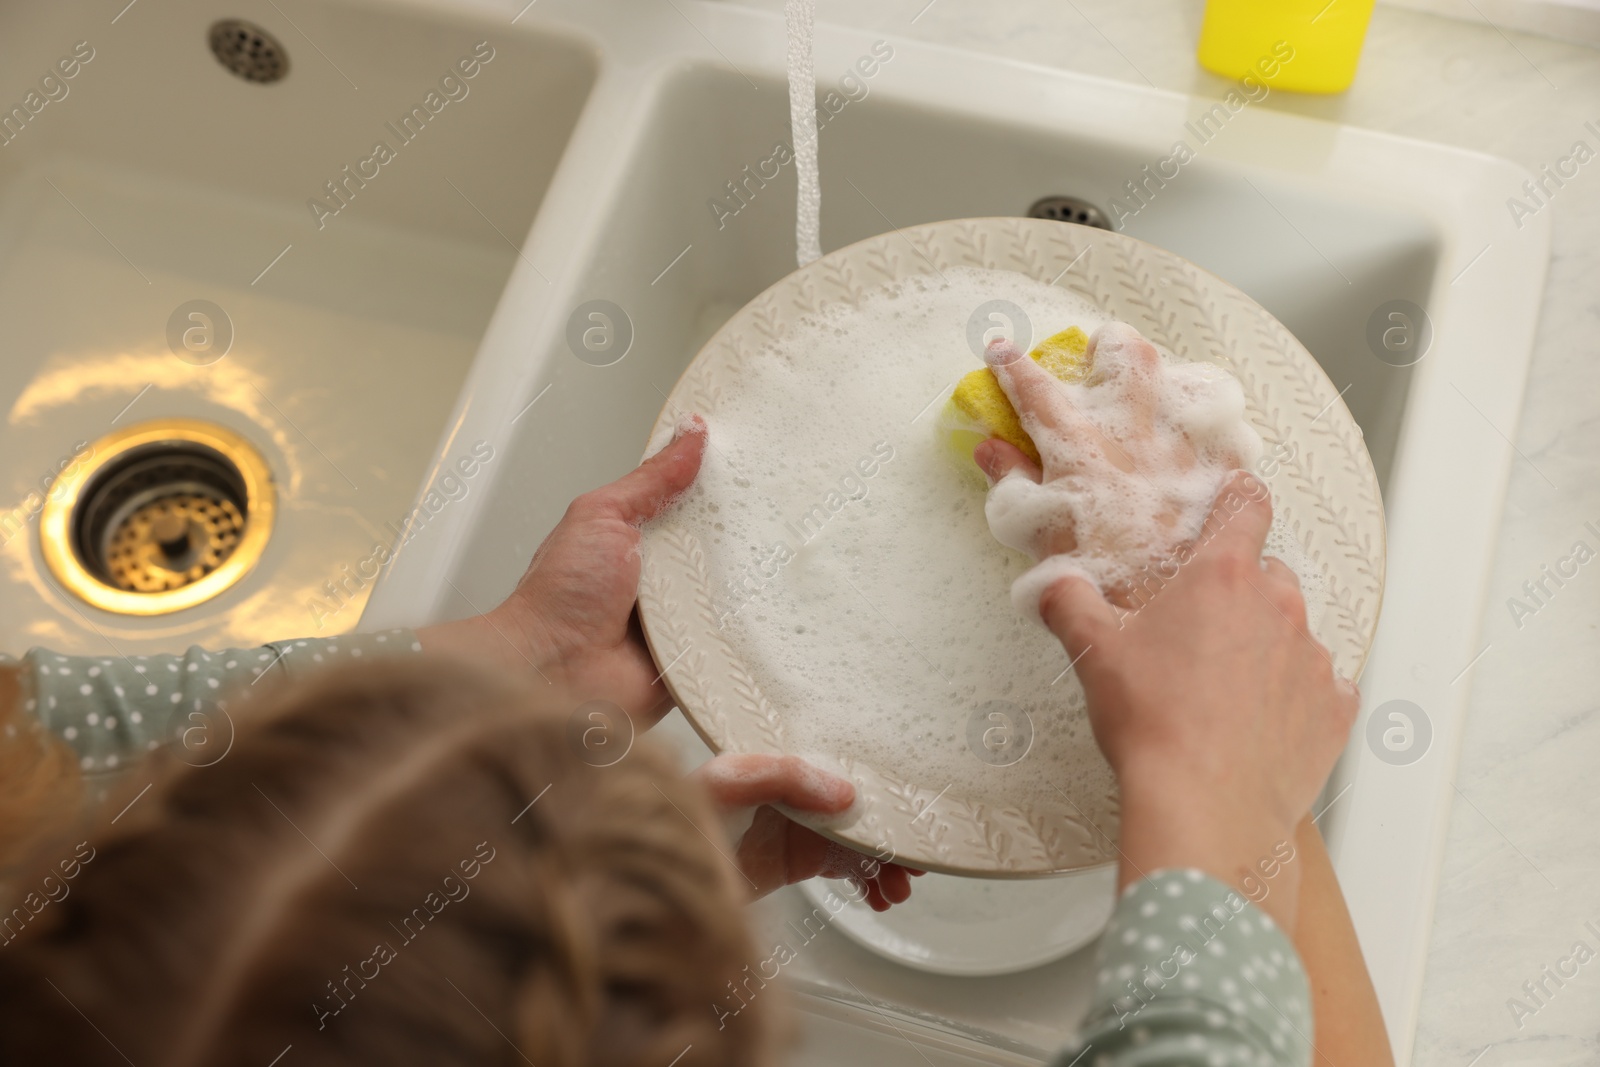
column 571, row 616
column 776, row 852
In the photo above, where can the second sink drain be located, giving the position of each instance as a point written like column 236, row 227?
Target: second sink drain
column 1070, row 209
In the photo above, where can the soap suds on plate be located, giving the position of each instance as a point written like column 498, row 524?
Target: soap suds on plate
column 1133, row 458
column 852, row 565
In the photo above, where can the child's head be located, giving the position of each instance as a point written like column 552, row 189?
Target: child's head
column 400, row 864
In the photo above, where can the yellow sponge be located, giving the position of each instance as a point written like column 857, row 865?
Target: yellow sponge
column 979, row 408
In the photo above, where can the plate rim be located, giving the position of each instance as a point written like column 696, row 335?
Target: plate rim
column 1289, row 347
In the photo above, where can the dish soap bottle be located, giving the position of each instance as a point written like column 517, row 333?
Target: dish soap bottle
column 1250, row 38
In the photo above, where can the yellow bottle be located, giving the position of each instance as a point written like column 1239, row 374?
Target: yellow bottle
column 1250, row 38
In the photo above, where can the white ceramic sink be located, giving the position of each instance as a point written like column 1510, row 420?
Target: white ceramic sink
column 585, row 165
column 158, row 178
column 1323, row 225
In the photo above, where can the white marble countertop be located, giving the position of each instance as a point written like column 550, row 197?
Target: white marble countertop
column 1522, row 855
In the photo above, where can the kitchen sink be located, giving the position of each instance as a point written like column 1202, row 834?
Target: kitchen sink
column 622, row 168
column 157, row 186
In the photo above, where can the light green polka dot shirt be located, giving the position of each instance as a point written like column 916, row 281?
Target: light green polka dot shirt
column 111, row 710
column 1191, row 974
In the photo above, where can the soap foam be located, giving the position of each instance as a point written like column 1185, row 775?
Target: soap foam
column 853, row 567
column 1133, row 457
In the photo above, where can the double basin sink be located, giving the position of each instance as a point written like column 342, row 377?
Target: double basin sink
column 631, row 161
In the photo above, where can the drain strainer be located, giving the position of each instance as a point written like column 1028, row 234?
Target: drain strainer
column 168, row 515
column 1069, row 209
column 248, row 51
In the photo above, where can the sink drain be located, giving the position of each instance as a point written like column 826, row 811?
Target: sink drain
column 170, row 514
column 1069, row 209
column 248, row 51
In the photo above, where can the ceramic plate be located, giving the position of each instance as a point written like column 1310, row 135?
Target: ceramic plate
column 978, row 926
column 1055, row 810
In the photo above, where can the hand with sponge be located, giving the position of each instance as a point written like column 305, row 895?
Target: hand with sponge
column 1109, row 466
column 979, row 409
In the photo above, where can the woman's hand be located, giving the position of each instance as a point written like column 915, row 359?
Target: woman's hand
column 1217, row 709
column 1219, row 712
column 775, row 852
column 571, row 617
column 1132, row 391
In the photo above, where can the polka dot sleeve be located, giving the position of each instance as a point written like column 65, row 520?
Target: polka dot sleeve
column 1191, row 973
column 113, row 709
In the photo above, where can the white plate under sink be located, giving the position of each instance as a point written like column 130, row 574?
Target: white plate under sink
column 975, row 927
column 1323, row 225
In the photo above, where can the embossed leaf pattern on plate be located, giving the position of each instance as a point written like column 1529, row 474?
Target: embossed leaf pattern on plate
column 1325, row 491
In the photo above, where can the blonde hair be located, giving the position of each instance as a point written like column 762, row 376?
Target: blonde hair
column 404, row 863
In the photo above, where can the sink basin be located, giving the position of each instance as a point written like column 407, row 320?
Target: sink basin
column 159, row 178
column 1321, row 260
column 670, row 209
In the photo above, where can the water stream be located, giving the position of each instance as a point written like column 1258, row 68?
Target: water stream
column 800, row 18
